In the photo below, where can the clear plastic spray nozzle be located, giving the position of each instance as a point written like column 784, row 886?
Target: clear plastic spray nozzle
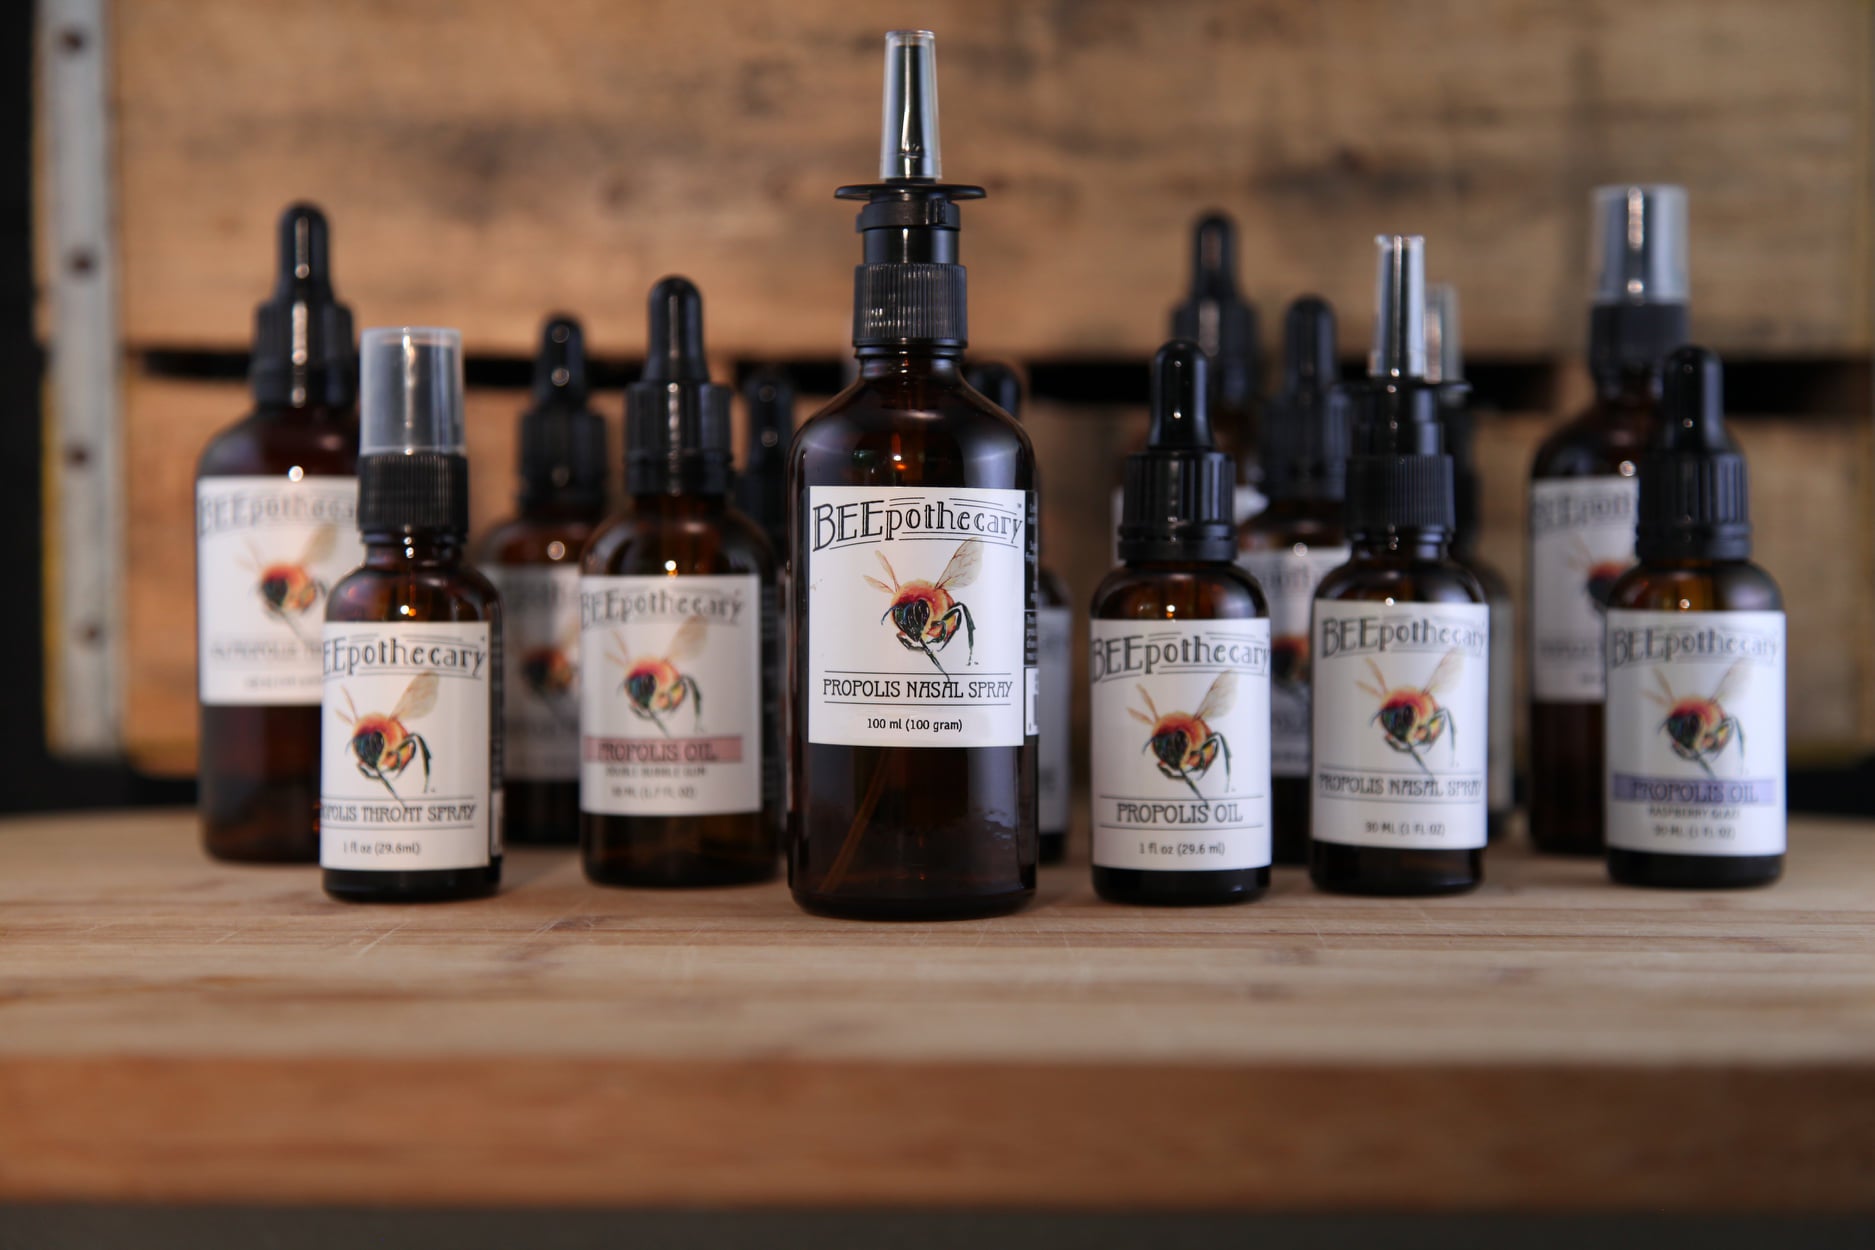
column 410, row 391
column 1640, row 244
column 1445, row 359
column 1399, row 308
column 908, row 140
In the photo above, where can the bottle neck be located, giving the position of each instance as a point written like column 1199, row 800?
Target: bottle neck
column 412, row 548
column 314, row 412
column 1401, row 544
column 1631, row 386
column 924, row 361
column 540, row 507
column 688, row 507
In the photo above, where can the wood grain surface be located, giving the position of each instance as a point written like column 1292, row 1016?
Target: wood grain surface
column 176, row 1030
column 487, row 161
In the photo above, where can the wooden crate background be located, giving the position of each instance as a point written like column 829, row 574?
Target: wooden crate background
column 484, row 162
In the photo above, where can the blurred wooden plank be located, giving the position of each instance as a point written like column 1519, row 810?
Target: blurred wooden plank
column 487, row 160
column 176, row 1030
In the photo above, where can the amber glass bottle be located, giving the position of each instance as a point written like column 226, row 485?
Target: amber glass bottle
column 761, row 490
column 1295, row 542
column 276, row 498
column 1054, row 657
column 1179, row 664
column 1696, row 657
column 410, row 794
column 1445, row 369
column 914, row 563
column 1582, row 498
column 680, row 780
column 533, row 559
column 1401, row 637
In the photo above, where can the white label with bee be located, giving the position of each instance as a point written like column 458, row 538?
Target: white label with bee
column 1289, row 576
column 409, row 769
column 670, row 707
column 1401, row 704
column 267, row 550
column 1581, row 542
column 1180, row 722
column 1695, row 760
column 540, row 618
column 918, row 616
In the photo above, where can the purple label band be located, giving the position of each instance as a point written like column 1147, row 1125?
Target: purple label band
column 1706, row 791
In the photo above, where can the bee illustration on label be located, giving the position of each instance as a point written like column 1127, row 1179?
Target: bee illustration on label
column 287, row 588
column 551, row 674
column 926, row 614
column 653, row 686
column 1411, row 718
column 1289, row 660
column 384, row 745
column 1700, row 729
column 1600, row 573
column 1185, row 746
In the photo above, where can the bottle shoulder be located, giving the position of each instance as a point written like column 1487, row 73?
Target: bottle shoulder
column 1598, row 442
column 912, row 436
column 649, row 543
column 1184, row 592
column 420, row 593
column 1401, row 581
column 322, row 442
column 1266, row 533
column 522, row 540
column 1496, row 586
column 1720, row 586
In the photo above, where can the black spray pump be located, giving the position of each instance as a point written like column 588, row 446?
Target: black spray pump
column 413, row 473
column 762, row 486
column 1639, row 309
column 1179, row 492
column 1399, row 476
column 562, row 445
column 1305, row 440
column 303, row 346
column 1219, row 319
column 910, row 288
column 1693, row 503
column 677, row 433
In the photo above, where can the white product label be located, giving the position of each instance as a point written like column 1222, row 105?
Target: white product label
column 409, row 753
column 1501, row 754
column 919, row 616
column 267, row 552
column 1695, row 757
column 1400, row 733
column 671, row 695
column 1054, row 645
column 1180, row 719
column 540, row 620
column 1289, row 577
column 1581, row 542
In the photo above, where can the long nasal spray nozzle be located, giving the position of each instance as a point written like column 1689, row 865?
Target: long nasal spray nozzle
column 910, row 288
column 1399, row 476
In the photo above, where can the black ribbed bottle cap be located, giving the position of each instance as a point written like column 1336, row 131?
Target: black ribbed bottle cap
column 304, row 352
column 1399, row 476
column 1694, row 502
column 1180, row 492
column 998, row 383
column 1216, row 317
column 562, row 444
column 677, row 432
column 1305, row 436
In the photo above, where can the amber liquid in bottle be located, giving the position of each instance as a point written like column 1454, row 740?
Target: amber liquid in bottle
column 679, row 536
column 907, row 832
column 411, row 576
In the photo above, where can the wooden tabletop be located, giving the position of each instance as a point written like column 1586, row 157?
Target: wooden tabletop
column 172, row 1029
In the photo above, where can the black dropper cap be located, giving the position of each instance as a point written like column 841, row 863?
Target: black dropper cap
column 562, row 442
column 1694, row 502
column 910, row 290
column 304, row 352
column 1445, row 369
column 1179, row 501
column 1399, row 476
column 677, row 436
column 1305, row 438
column 998, row 383
column 762, row 486
column 1219, row 319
